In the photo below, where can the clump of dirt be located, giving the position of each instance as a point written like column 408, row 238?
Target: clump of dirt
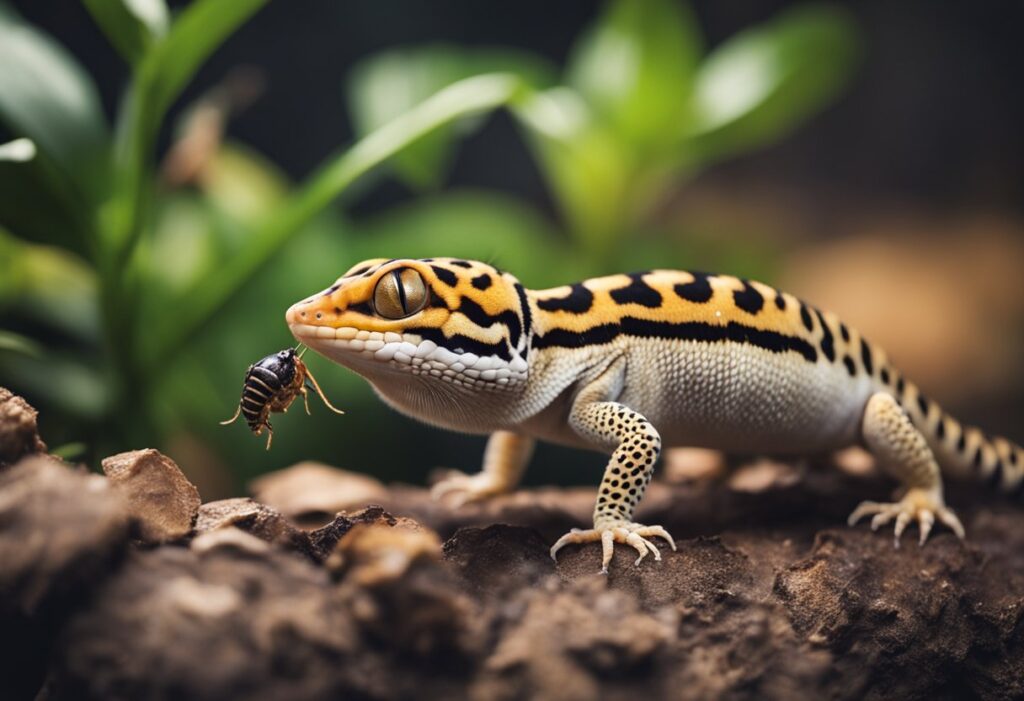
column 767, row 596
column 19, row 435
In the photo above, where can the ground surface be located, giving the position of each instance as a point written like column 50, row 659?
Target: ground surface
column 104, row 593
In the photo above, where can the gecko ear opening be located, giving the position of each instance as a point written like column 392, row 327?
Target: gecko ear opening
column 400, row 293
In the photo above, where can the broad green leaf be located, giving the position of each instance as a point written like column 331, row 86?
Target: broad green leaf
column 587, row 167
column 130, row 25
column 38, row 203
column 464, row 98
column 635, row 67
column 57, row 379
column 47, row 97
column 761, row 83
column 48, row 287
column 389, row 84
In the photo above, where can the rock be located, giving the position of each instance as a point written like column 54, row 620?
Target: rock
column 60, row 529
column 311, row 493
column 61, row 532
column 18, row 432
column 392, row 579
column 221, row 624
column 762, row 475
column 258, row 520
column 382, row 550
column 162, row 500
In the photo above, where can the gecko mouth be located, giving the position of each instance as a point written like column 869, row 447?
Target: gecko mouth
column 347, row 345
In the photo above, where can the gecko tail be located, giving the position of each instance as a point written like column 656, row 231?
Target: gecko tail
column 966, row 452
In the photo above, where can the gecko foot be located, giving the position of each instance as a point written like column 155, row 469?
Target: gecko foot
column 634, row 534
column 921, row 505
column 465, row 488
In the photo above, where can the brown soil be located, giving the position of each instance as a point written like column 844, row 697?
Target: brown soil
column 768, row 596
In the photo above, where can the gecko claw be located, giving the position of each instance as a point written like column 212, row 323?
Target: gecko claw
column 632, row 534
column 922, row 506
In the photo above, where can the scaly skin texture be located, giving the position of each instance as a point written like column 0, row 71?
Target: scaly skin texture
column 625, row 364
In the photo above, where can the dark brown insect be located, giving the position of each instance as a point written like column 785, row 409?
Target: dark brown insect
column 272, row 384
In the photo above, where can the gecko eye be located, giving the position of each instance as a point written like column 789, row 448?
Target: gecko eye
column 400, row 293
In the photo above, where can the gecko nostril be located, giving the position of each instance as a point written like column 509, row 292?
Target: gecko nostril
column 319, row 315
column 302, row 314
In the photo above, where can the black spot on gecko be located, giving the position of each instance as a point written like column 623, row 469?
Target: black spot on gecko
column 850, row 367
column 977, row 457
column 901, row 387
column 699, row 291
column 462, row 263
column 940, row 430
column 748, row 299
column 922, row 404
column 359, row 271
column 578, row 301
column 482, row 282
column 805, row 316
column 865, row 356
column 885, row 376
column 961, row 445
column 331, row 290
column 996, row 477
column 446, row 276
column 780, row 301
column 827, row 342
column 361, row 308
column 844, row 332
column 637, row 292
column 524, row 308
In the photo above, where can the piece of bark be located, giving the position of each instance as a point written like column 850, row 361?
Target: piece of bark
column 162, row 500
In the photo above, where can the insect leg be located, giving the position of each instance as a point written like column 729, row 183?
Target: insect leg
column 234, row 418
column 321, row 393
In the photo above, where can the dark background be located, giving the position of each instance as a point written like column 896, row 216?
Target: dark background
column 933, row 114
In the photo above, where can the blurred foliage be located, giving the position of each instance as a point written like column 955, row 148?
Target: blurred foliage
column 133, row 295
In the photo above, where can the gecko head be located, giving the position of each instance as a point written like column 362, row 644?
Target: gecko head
column 445, row 320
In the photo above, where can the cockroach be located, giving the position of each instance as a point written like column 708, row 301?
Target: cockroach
column 272, row 384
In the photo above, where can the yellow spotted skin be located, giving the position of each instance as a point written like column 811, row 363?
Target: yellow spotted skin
column 625, row 364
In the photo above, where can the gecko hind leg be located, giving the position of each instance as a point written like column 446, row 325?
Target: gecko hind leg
column 903, row 452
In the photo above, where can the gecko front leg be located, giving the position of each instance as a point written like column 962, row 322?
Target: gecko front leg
column 505, row 460
column 634, row 444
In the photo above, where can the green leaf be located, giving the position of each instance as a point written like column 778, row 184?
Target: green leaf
column 18, row 151
column 196, row 33
column 159, row 79
column 389, row 84
column 47, row 97
column 761, row 83
column 450, row 224
column 587, row 167
column 17, row 343
column 635, row 67
column 130, row 25
column 464, row 98
column 57, row 379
